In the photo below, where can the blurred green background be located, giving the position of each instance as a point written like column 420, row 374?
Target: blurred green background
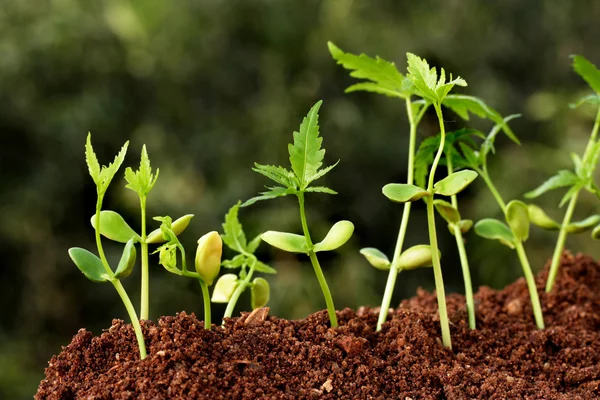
column 210, row 87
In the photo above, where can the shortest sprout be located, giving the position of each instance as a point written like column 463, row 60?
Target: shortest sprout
column 376, row 258
column 208, row 256
column 416, row 257
column 224, row 288
column 260, row 293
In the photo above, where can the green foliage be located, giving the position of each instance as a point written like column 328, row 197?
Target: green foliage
column 376, row 258
column 447, row 211
column 102, row 176
column 260, row 293
column 588, row 72
column 493, row 229
column 289, row 242
column 89, row 264
column 114, row 227
column 418, row 256
column 517, row 217
column 127, row 261
column 141, row 181
column 337, row 236
column 403, row 192
column 454, row 183
column 426, row 82
column 563, row 178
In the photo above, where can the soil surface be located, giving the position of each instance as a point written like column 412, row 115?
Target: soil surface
column 259, row 356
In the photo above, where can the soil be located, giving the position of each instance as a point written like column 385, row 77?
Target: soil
column 259, row 356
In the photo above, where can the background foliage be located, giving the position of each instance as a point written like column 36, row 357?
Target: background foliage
column 212, row 86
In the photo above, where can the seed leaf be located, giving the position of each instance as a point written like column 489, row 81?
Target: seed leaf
column 561, row 179
column 538, row 217
column 141, row 181
column 376, row 258
column 455, row 182
column 493, row 229
column 285, row 241
column 403, row 192
column 278, row 174
column 416, row 257
column 127, row 261
column 114, row 227
column 224, row 288
column 306, row 155
column 337, row 236
column 584, row 225
column 447, row 211
column 260, row 293
column 273, row 192
column 383, row 76
column 517, row 217
column 587, row 71
column 89, row 264
column 233, row 235
column 264, row 268
column 592, row 99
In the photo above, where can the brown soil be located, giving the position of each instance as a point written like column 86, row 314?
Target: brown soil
column 261, row 356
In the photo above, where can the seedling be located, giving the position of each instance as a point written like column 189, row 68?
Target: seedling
column 97, row 269
column 306, row 159
column 207, row 262
column 581, row 178
column 229, row 287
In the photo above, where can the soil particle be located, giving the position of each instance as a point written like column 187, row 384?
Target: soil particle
column 259, row 356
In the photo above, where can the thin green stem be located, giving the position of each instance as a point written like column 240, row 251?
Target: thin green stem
column 206, row 299
column 144, row 306
column 535, row 300
column 486, row 178
column 462, row 253
column 238, row 291
column 316, row 265
column 394, row 270
column 437, row 267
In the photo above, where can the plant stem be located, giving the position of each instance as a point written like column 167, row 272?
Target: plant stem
column 394, row 270
column 486, row 178
column 144, row 308
column 206, row 299
column 437, row 268
column 535, row 300
column 562, row 235
column 316, row 265
column 464, row 261
column 238, row 291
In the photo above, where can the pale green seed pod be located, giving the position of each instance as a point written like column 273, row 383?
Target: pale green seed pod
column 156, row 237
column 416, row 257
column 260, row 293
column 224, row 288
column 208, row 256
column 339, row 234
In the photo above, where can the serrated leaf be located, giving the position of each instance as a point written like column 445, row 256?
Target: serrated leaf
column 233, row 235
column 583, row 225
column 236, row 262
column 587, row 71
column 306, row 155
column 127, row 261
column 89, row 264
column 592, row 99
column 271, row 194
column 517, row 217
column 102, row 176
column 253, row 244
column 114, row 227
column 447, row 211
column 455, row 182
column 376, row 258
column 538, row 217
column 383, row 75
column 321, row 172
column 141, row 181
column 429, row 147
column 422, row 77
column 264, row 268
column 493, row 229
column 337, row 236
column 320, row 189
column 418, row 256
column 224, row 288
column 91, row 160
column 260, row 293
column 278, row 174
column 167, row 257
column 561, row 179
column 286, row 241
column 471, row 157
column 403, row 192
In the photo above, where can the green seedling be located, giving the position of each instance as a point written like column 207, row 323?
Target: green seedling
column 97, row 269
column 207, row 262
column 306, row 158
column 515, row 231
column 581, row 178
column 229, row 287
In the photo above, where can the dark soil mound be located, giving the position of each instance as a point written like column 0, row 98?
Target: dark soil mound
column 256, row 356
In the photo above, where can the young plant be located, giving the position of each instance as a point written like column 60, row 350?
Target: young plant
column 229, row 287
column 581, row 178
column 306, row 159
column 97, row 269
column 207, row 262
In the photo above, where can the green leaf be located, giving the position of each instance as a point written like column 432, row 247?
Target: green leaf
column 89, row 264
column 233, row 235
column 224, row 288
column 383, row 76
column 596, row 232
column 286, row 241
column 447, row 211
column 472, row 159
column 322, row 172
column 177, row 227
column 426, row 82
column 167, row 257
column 103, row 176
column 337, row 236
column 273, row 192
column 464, row 225
column 141, row 181
column 454, row 183
column 306, row 155
column 493, row 229
column 259, row 293
column 418, row 256
column 278, row 174
column 403, row 192
column 264, row 268
column 236, row 262
column 253, row 245
column 92, row 161
column 583, row 225
column 376, row 258
column 114, row 227
column 127, row 261
column 561, row 179
column 587, row 71
column 592, row 99
column 538, row 217
column 320, row 189
column 517, row 217
column 488, row 143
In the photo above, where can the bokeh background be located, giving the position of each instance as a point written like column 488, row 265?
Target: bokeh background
column 212, row 86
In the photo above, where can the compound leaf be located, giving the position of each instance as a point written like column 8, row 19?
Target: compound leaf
column 306, row 155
